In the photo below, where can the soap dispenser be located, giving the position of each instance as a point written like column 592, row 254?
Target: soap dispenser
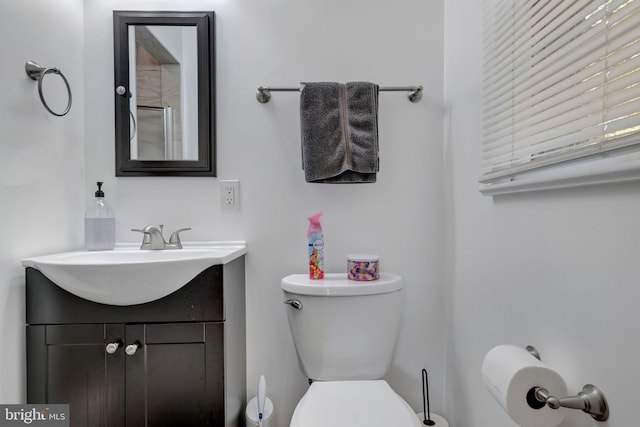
column 99, row 224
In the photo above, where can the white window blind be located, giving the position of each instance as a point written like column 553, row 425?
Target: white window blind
column 561, row 84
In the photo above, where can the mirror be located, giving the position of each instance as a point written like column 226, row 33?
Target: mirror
column 164, row 93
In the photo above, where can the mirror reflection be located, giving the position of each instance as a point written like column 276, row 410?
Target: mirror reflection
column 163, row 81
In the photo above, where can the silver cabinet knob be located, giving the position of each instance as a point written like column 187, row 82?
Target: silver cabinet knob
column 121, row 90
column 131, row 349
column 112, row 347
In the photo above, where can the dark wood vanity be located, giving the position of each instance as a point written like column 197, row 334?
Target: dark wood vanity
column 176, row 361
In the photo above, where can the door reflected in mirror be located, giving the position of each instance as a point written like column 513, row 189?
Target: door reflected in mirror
column 164, row 77
column 163, row 82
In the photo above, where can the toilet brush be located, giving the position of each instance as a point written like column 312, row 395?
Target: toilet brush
column 425, row 400
column 262, row 394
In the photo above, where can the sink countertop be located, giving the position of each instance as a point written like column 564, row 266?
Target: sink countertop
column 128, row 275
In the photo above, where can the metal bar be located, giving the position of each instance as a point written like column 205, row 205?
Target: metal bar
column 264, row 93
column 381, row 88
column 168, row 133
column 281, row 89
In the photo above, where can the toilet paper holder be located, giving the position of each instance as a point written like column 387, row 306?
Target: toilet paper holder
column 590, row 400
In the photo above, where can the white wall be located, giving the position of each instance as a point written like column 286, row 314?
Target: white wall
column 41, row 159
column 281, row 43
column 558, row 270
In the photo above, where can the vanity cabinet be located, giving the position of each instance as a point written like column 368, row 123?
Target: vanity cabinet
column 177, row 361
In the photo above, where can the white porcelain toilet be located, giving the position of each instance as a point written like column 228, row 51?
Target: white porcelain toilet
column 344, row 333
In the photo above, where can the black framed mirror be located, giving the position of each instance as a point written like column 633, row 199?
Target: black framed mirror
column 164, row 67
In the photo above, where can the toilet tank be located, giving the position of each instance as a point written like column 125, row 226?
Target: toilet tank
column 343, row 330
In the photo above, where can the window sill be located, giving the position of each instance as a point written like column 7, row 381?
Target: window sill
column 624, row 168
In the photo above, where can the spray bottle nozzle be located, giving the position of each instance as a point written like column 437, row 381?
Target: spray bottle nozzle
column 315, row 218
column 314, row 223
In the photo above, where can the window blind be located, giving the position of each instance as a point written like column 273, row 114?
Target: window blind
column 561, row 83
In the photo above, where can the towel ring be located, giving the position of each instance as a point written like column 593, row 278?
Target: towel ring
column 36, row 72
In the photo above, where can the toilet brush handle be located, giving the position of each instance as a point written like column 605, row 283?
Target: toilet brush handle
column 261, row 397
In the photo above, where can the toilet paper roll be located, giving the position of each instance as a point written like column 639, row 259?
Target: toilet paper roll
column 437, row 419
column 510, row 372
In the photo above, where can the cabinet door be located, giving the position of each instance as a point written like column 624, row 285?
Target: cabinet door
column 69, row 364
column 175, row 376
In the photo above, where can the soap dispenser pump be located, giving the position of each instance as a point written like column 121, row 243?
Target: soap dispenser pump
column 99, row 224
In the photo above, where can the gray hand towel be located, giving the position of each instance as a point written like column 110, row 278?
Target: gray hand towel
column 339, row 124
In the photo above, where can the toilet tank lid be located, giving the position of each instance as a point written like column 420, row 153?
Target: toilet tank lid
column 337, row 284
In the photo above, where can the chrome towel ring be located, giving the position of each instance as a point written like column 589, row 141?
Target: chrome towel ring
column 36, row 72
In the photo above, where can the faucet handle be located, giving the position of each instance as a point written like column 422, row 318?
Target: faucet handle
column 175, row 237
column 151, row 228
column 146, row 239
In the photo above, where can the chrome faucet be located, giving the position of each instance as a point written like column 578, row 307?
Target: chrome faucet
column 154, row 240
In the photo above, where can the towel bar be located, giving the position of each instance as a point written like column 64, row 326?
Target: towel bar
column 263, row 95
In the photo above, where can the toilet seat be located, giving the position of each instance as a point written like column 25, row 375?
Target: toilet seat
column 369, row 403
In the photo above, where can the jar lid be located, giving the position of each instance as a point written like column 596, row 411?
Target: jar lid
column 362, row 257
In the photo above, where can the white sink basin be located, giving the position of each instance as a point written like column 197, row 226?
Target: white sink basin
column 128, row 275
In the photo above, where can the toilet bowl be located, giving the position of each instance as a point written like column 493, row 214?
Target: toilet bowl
column 344, row 333
column 370, row 403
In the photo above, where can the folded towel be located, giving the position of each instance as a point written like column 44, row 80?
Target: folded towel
column 339, row 124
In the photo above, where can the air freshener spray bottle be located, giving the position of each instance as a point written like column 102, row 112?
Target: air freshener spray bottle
column 316, row 247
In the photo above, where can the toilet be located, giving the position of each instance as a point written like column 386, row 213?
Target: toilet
column 344, row 334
